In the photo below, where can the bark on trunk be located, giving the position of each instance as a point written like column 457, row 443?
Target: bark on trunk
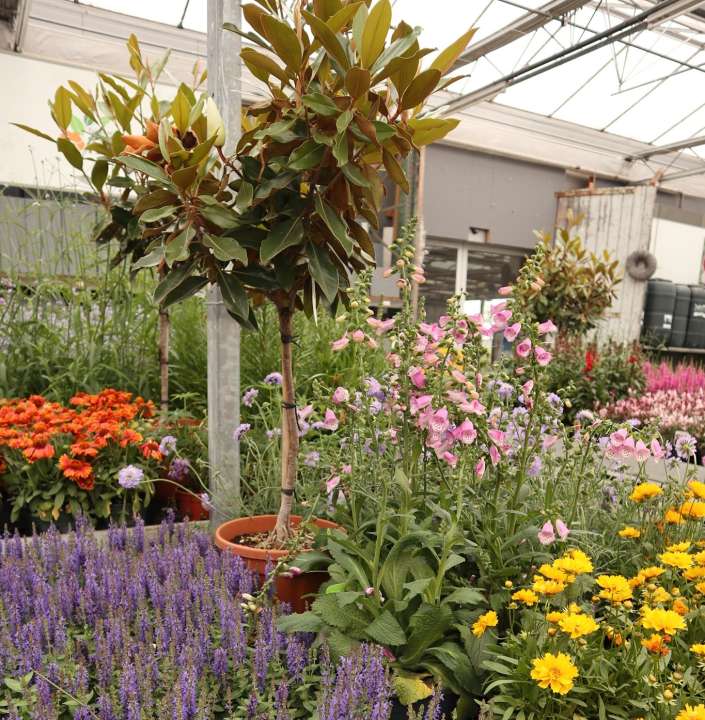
column 290, row 431
column 164, row 323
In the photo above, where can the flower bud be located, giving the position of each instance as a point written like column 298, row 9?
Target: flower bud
column 214, row 122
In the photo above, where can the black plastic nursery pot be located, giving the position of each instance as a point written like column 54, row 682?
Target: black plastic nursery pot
column 448, row 704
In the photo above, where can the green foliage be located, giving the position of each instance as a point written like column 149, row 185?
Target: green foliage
column 565, row 283
column 586, row 376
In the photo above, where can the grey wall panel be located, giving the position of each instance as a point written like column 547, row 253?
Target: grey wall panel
column 508, row 197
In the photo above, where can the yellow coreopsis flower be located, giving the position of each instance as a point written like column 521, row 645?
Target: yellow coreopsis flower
column 554, row 671
column 660, row 595
column 693, row 509
column 679, row 547
column 679, row 560
column 645, row 491
column 692, row 712
column 555, row 616
column 553, row 573
column 673, row 517
column 578, row 624
column 694, row 573
column 547, row 587
column 629, row 532
column 574, row 562
column 699, row 557
column 528, row 597
column 615, row 588
column 488, row 620
column 698, row 649
column 665, row 621
column 648, row 573
column 700, row 587
column 697, row 488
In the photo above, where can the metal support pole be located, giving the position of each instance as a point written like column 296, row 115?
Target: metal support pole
column 224, row 71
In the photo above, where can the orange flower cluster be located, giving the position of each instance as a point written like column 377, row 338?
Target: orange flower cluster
column 33, row 427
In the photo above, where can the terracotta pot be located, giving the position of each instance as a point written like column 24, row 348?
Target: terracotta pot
column 191, row 506
column 299, row 591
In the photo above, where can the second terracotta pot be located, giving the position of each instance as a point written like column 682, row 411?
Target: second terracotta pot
column 299, row 590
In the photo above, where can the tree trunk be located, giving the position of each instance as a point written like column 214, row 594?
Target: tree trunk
column 164, row 324
column 290, row 431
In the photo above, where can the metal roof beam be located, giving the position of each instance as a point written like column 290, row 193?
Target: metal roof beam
column 665, row 149
column 532, row 20
column 655, row 14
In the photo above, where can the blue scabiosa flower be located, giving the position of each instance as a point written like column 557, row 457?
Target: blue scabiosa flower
column 273, row 378
column 240, row 430
column 178, row 470
column 248, row 399
column 130, row 477
column 168, row 445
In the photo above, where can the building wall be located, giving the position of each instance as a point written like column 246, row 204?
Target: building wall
column 508, row 197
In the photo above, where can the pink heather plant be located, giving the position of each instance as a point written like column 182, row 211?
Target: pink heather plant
column 684, row 377
column 670, row 410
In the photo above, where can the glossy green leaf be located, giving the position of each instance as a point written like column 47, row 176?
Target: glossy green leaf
column 323, row 270
column 355, row 176
column 428, row 130
column 420, row 88
column 234, row 294
column 357, row 81
column 221, row 216
column 320, row 104
column 70, row 152
column 34, row 131
column 62, row 107
column 151, row 259
column 185, row 177
column 245, row 196
column 328, row 39
column 225, row 248
column 180, row 111
column 283, row 40
column 134, row 162
column 344, row 119
column 177, row 249
column 334, row 223
column 280, row 237
column 154, row 199
column 173, row 279
column 262, row 66
column 308, row 155
column 189, row 287
column 156, row 214
column 99, row 173
column 374, row 34
column 395, row 170
column 341, row 150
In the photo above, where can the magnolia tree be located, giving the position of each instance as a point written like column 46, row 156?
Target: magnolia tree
column 283, row 219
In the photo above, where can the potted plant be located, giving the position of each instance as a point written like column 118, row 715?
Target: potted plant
column 283, row 219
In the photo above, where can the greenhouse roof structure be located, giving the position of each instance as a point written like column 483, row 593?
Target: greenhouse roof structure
column 624, row 78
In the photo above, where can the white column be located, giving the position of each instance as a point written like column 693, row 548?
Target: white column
column 223, row 332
